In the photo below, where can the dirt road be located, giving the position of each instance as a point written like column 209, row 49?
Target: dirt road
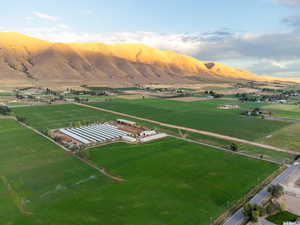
column 207, row 133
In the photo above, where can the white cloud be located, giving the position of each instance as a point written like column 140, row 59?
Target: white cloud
column 274, row 63
column 45, row 16
column 289, row 3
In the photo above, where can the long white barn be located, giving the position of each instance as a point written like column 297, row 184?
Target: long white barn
column 94, row 133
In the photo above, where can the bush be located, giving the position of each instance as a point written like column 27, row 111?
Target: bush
column 234, row 147
column 276, row 191
column 21, row 119
column 4, row 110
column 273, row 207
column 253, row 212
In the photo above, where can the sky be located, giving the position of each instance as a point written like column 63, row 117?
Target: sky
column 261, row 36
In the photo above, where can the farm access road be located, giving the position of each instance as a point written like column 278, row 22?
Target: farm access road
column 207, row 133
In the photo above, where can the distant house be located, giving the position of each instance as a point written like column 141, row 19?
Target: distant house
column 126, row 122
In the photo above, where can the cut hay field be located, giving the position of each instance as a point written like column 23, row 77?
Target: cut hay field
column 202, row 115
column 284, row 110
column 167, row 182
column 287, row 138
column 174, row 182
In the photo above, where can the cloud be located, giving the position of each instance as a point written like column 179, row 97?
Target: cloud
column 289, row 3
column 45, row 16
column 292, row 21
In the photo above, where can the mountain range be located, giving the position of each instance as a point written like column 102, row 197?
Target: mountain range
column 30, row 61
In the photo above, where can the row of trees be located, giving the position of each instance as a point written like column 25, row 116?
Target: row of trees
column 253, row 211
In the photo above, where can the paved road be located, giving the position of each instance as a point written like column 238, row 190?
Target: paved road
column 207, row 133
column 237, row 218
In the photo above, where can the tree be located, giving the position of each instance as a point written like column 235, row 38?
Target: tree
column 234, row 147
column 276, row 191
column 252, row 212
column 4, row 110
column 273, row 207
column 21, row 119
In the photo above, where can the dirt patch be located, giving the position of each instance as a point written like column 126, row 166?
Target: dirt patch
column 292, row 204
column 189, row 99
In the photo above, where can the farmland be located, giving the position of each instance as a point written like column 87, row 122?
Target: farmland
column 43, row 185
column 168, row 178
column 287, row 138
column 57, row 116
column 284, row 110
column 40, row 183
column 203, row 115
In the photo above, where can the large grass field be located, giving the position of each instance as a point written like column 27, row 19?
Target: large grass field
column 38, row 178
column 167, row 182
column 284, row 110
column 287, row 138
column 203, row 115
column 175, row 182
column 58, row 116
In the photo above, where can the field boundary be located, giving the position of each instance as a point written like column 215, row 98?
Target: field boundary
column 207, row 133
column 225, row 150
column 15, row 197
column 100, row 169
column 222, row 218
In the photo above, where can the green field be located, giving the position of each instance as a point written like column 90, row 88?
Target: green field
column 38, row 178
column 203, row 115
column 287, row 138
column 167, row 182
column 58, row 116
column 174, row 182
column 284, row 110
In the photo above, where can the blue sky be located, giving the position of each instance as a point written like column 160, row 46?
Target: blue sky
column 262, row 36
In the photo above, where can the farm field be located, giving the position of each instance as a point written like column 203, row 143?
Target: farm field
column 58, row 116
column 43, row 185
column 284, row 110
column 40, row 184
column 203, row 115
column 287, row 138
column 166, row 179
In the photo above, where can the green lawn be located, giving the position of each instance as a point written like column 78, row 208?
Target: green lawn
column 282, row 217
column 203, row 115
column 174, row 182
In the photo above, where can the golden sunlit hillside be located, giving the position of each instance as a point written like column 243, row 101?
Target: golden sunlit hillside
column 29, row 60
